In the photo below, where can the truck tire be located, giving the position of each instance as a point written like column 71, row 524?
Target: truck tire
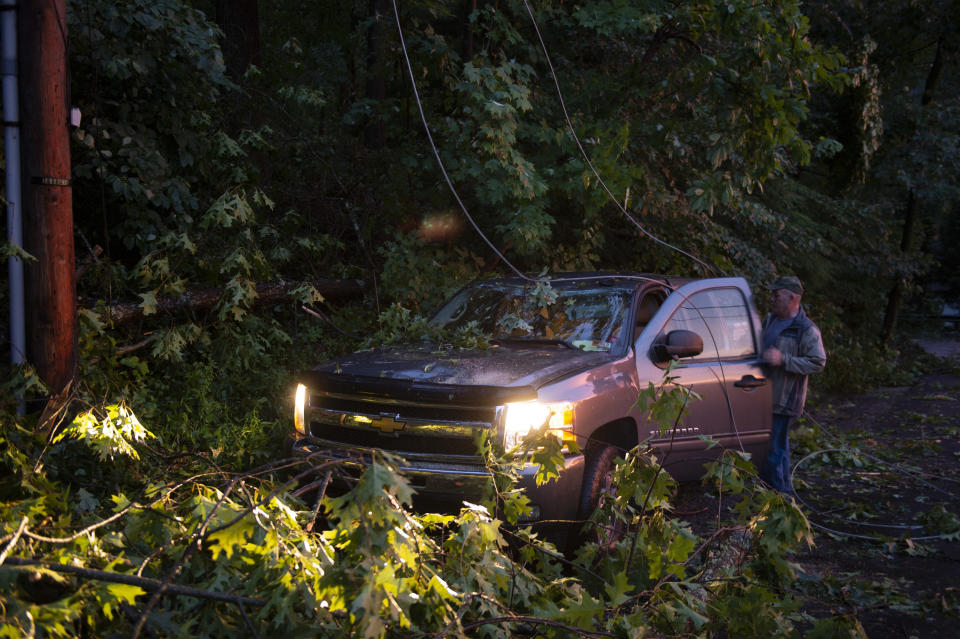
column 597, row 475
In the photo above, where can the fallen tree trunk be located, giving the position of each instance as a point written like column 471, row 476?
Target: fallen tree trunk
column 204, row 300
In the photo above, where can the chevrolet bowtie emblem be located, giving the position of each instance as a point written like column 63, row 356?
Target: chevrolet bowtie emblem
column 387, row 423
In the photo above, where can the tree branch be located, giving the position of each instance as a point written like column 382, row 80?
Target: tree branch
column 203, row 300
column 574, row 630
column 150, row 585
column 14, row 539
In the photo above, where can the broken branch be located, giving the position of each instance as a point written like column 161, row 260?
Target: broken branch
column 203, row 300
column 150, row 585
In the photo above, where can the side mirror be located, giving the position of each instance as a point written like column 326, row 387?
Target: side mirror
column 677, row 344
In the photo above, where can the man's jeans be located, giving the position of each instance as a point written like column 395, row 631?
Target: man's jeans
column 776, row 467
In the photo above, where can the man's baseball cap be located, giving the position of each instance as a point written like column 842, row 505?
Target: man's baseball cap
column 789, row 282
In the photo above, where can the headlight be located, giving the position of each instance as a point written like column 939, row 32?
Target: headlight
column 522, row 417
column 298, row 413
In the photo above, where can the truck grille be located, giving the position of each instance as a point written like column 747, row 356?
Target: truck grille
column 438, row 430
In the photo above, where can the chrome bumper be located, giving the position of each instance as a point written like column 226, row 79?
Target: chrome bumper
column 453, row 479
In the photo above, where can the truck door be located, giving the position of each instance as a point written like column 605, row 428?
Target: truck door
column 735, row 405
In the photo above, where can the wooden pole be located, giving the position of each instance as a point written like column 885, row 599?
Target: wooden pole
column 47, row 197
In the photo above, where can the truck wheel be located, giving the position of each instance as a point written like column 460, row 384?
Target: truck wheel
column 597, row 476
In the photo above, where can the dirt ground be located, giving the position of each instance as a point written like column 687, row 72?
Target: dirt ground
column 878, row 475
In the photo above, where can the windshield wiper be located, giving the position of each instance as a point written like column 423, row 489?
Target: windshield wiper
column 537, row 340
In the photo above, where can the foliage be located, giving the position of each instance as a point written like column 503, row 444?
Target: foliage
column 149, row 76
column 713, row 59
column 113, row 434
column 192, row 178
column 259, row 562
column 666, row 402
column 421, row 276
column 717, row 125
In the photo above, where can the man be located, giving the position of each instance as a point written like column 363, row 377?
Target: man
column 792, row 350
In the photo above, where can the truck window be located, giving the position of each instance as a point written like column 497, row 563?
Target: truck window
column 720, row 316
column 587, row 316
column 646, row 309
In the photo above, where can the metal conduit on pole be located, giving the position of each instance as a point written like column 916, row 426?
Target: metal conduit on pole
column 11, row 122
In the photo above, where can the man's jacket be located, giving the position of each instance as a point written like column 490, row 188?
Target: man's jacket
column 803, row 354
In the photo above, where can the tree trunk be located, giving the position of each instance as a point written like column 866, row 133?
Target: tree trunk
column 204, row 300
column 47, row 196
column 895, row 296
column 374, row 134
column 933, row 76
column 466, row 46
column 240, row 22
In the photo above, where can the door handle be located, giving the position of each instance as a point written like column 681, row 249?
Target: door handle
column 749, row 381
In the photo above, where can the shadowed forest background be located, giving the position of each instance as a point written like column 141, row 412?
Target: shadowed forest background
column 239, row 161
column 229, row 145
column 234, row 144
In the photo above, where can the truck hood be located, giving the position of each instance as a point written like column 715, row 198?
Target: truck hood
column 503, row 365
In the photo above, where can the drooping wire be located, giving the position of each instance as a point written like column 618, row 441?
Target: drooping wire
column 490, row 244
column 436, row 153
column 880, row 460
column 710, row 268
column 456, row 195
column 843, row 446
column 825, row 451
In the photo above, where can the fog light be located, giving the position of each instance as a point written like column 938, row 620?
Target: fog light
column 298, row 409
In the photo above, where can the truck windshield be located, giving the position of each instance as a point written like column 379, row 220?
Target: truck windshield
column 587, row 318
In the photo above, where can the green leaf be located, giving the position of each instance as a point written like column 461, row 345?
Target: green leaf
column 585, row 611
column 227, row 540
column 618, row 590
column 113, row 434
column 439, row 586
column 119, row 594
column 148, row 302
column 91, row 320
column 8, row 250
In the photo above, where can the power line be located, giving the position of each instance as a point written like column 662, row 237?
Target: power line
column 436, row 153
column 456, row 195
column 710, row 268
column 490, row 244
column 843, row 446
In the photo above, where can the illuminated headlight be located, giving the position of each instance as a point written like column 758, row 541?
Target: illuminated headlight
column 298, row 409
column 522, row 417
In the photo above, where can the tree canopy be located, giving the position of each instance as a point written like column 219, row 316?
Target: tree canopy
column 230, row 146
column 753, row 136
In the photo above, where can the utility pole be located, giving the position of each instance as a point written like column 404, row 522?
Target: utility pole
column 47, row 196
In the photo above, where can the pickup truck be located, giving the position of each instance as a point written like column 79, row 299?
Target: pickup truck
column 573, row 350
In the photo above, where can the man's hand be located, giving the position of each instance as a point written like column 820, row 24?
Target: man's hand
column 773, row 356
